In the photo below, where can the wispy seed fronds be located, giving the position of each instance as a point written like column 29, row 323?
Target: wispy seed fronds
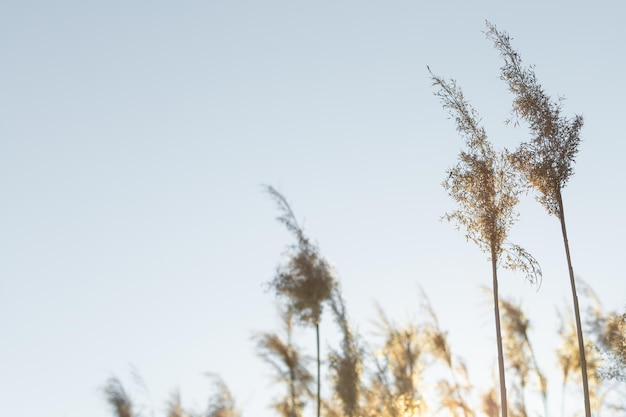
column 175, row 406
column 480, row 182
column 289, row 365
column 519, row 259
column 221, row 403
column 515, row 328
column 306, row 280
column 435, row 338
column 489, row 403
column 484, row 184
column 117, row 397
column 547, row 160
column 401, row 369
column 346, row 363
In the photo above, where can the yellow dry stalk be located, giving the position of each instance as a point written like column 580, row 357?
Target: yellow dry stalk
column 547, row 160
column 485, row 185
column 306, row 279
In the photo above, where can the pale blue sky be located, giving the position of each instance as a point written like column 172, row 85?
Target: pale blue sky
column 135, row 136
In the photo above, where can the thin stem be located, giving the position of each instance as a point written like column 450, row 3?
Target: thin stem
column 292, row 391
column 319, row 398
column 579, row 330
column 503, row 401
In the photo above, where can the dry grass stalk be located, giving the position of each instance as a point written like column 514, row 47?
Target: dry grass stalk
column 305, row 280
column 520, row 354
column 452, row 395
column 289, row 366
column 175, row 406
column 487, row 190
column 117, row 397
column 609, row 331
column 346, row 363
column 613, row 343
column 547, row 160
column 489, row 403
column 605, row 353
column 221, row 403
column 399, row 370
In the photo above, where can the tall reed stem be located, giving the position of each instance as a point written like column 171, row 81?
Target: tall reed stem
column 319, row 398
column 579, row 330
column 496, row 303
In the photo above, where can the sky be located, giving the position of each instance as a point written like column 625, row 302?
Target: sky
column 136, row 136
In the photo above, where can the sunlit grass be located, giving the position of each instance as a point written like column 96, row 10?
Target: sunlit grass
column 547, row 160
column 410, row 369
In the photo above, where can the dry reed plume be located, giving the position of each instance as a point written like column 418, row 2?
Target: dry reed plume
column 289, row 367
column 117, row 397
column 390, row 378
column 305, row 281
column 403, row 373
column 346, row 363
column 487, row 189
column 547, row 160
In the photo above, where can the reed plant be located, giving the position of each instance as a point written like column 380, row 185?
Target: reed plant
column 612, row 345
column 118, row 399
column 289, row 367
column 452, row 394
column 174, row 406
column 346, row 363
column 398, row 363
column 546, row 161
column 402, row 371
column 305, row 281
column 487, row 189
column 521, row 355
column 221, row 402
